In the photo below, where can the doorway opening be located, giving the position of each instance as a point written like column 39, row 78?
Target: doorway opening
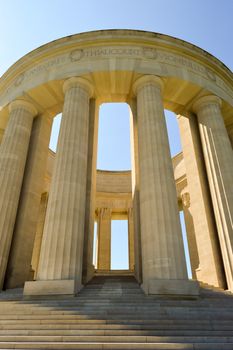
column 119, row 245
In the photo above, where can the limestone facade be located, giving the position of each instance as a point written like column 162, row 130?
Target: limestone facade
column 49, row 202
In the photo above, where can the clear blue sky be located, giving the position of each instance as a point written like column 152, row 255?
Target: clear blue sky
column 27, row 24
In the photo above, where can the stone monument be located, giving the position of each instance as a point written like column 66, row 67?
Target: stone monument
column 49, row 202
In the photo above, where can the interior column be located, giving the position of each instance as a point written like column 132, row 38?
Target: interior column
column 104, row 239
column 131, row 239
column 88, row 267
column 135, row 190
column 190, row 231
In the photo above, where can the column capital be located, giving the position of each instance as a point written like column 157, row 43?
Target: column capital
column 105, row 213
column 146, row 80
column 78, row 82
column 16, row 104
column 206, row 101
column 130, row 212
column 185, row 196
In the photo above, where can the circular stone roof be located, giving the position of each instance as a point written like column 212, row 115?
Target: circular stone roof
column 112, row 60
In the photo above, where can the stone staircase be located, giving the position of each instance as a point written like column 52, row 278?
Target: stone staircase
column 113, row 313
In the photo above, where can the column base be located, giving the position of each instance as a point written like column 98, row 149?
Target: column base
column 171, row 287
column 88, row 274
column 50, row 287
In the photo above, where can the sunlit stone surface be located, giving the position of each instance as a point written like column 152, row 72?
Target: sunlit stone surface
column 49, row 202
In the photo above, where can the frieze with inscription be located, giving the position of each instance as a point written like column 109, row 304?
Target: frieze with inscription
column 77, row 56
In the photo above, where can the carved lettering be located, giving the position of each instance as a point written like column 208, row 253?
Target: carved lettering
column 149, row 53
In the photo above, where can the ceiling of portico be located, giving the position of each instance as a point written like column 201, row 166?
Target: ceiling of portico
column 115, row 87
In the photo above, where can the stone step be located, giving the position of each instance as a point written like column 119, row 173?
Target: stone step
column 118, row 308
column 130, row 290
column 117, row 304
column 111, row 297
column 116, row 346
column 126, row 288
column 116, row 339
column 164, row 326
column 225, row 330
column 74, row 318
column 113, row 292
column 113, row 284
column 158, row 346
column 155, row 298
column 120, row 322
column 139, row 309
column 121, row 298
column 175, row 332
column 113, row 313
column 116, row 317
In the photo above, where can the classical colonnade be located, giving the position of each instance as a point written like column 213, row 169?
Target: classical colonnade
column 67, row 241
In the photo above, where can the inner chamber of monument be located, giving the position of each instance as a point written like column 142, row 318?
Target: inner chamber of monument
column 113, row 199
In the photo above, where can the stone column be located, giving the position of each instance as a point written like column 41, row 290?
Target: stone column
column 13, row 155
column 19, row 266
column 209, row 269
column 230, row 133
column 190, row 231
column 131, row 239
column 95, row 244
column 163, row 259
column 218, row 156
column 60, row 265
column 88, row 267
column 39, row 233
column 135, row 190
column 1, row 134
column 104, row 239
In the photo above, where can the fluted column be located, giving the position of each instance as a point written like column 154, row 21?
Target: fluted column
column 230, row 133
column 135, row 190
column 163, row 260
column 1, row 134
column 19, row 267
column 39, row 233
column 199, row 215
column 60, row 265
column 131, row 239
column 104, row 239
column 88, row 267
column 192, row 244
column 218, row 157
column 13, row 155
